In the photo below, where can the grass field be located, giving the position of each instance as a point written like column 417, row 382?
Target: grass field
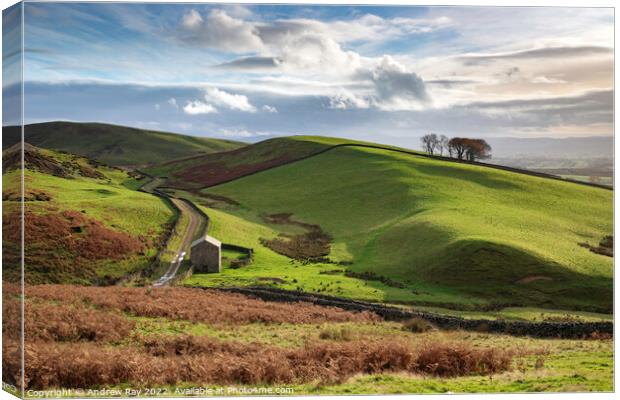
column 113, row 144
column 412, row 231
column 83, row 228
column 215, row 168
column 458, row 236
column 176, row 339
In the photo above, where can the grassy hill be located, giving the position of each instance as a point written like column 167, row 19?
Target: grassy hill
column 411, row 229
column 113, row 144
column 85, row 222
column 212, row 169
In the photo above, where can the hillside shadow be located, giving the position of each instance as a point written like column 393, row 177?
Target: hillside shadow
column 421, row 263
column 506, row 276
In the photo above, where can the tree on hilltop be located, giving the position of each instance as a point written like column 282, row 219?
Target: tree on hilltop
column 469, row 149
column 430, row 143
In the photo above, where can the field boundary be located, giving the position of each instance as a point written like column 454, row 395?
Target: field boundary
column 565, row 330
column 419, row 154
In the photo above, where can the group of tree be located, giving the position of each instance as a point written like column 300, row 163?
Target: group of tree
column 457, row 147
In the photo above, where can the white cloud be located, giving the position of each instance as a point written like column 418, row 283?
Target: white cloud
column 157, row 106
column 547, row 80
column 394, row 88
column 198, row 107
column 299, row 47
column 270, row 109
column 367, row 27
column 232, row 101
column 345, row 99
column 192, row 20
column 468, row 78
column 397, row 87
column 219, row 31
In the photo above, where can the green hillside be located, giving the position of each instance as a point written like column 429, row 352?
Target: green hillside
column 113, row 144
column 215, row 168
column 85, row 222
column 424, row 231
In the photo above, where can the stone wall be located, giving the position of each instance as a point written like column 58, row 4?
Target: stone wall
column 567, row 330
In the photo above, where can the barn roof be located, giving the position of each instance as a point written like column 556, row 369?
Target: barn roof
column 207, row 239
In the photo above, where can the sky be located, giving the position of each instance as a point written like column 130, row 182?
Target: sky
column 386, row 74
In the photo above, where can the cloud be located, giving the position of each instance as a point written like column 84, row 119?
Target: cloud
column 269, row 109
column 173, row 102
column 232, row 101
column 544, row 52
column 367, row 27
column 589, row 108
column 547, row 80
column 395, row 88
column 219, row 31
column 311, row 68
column 157, row 106
column 196, row 107
column 579, row 115
column 449, row 83
column 255, row 63
column 192, row 20
column 298, row 45
column 345, row 99
column 591, row 100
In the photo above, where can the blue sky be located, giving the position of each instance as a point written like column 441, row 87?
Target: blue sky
column 386, row 74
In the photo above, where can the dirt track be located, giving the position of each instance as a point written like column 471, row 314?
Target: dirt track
column 187, row 236
column 195, row 222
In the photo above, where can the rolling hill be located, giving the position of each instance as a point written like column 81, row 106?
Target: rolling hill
column 113, row 144
column 404, row 228
column 212, row 169
column 84, row 222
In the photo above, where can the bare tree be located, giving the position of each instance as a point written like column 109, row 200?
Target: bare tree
column 442, row 144
column 429, row 143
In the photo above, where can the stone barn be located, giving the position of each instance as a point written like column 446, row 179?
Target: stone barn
column 206, row 255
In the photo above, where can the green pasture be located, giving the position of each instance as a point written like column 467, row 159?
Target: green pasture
column 458, row 236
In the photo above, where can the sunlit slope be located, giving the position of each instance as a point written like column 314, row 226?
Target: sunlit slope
column 114, row 144
column 84, row 222
column 486, row 236
column 215, row 168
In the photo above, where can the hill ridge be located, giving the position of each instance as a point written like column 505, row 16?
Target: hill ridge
column 114, row 144
column 394, row 149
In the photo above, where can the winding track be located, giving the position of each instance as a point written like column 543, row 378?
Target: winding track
column 195, row 222
column 188, row 235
